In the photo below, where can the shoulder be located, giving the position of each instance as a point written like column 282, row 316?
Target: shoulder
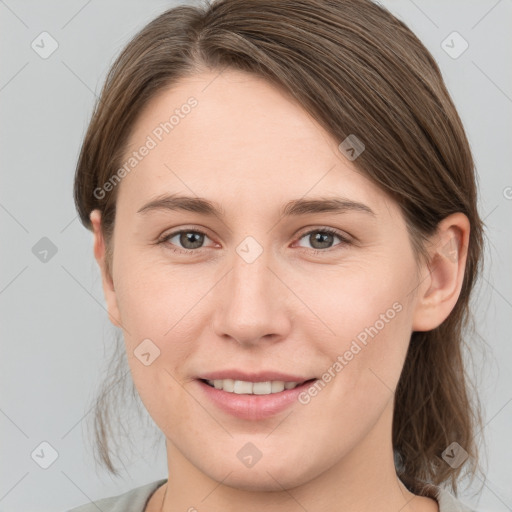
column 448, row 502
column 133, row 500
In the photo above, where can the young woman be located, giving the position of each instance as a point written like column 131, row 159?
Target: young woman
column 283, row 204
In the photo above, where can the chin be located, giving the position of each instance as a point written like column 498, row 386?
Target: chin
column 246, row 481
column 264, row 478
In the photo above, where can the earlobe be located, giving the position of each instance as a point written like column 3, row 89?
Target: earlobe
column 445, row 273
column 106, row 278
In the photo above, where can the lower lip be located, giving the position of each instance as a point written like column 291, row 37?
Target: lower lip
column 253, row 407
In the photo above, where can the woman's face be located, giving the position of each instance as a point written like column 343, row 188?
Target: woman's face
column 265, row 289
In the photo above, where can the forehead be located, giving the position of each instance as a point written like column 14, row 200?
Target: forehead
column 233, row 114
column 242, row 136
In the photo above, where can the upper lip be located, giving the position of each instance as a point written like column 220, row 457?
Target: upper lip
column 253, row 376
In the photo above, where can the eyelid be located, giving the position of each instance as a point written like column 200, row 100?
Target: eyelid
column 345, row 239
column 166, row 236
column 327, row 229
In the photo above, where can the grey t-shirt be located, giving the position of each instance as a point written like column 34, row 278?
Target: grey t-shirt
column 136, row 500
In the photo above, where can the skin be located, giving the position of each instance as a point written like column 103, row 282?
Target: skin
column 250, row 148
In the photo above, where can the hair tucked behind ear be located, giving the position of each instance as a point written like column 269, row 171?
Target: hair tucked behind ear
column 357, row 70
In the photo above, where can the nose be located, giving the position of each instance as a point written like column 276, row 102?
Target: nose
column 252, row 303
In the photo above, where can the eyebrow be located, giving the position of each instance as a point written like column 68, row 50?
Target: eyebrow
column 296, row 207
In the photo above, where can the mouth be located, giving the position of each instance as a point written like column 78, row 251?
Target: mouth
column 252, row 400
column 241, row 387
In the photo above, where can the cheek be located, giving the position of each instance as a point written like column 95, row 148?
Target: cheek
column 362, row 365
column 370, row 350
column 159, row 323
column 155, row 299
column 368, row 315
column 349, row 300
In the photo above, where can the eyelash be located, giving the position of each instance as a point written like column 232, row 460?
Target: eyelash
column 164, row 240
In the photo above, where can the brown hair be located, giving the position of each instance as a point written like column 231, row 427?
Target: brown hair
column 356, row 69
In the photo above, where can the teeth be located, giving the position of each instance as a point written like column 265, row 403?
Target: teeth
column 241, row 387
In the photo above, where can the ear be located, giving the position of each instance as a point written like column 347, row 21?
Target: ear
column 439, row 290
column 107, row 281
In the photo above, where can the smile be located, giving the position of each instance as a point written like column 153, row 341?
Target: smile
column 252, row 400
column 241, row 387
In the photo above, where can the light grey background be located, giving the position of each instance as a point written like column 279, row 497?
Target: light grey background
column 54, row 329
